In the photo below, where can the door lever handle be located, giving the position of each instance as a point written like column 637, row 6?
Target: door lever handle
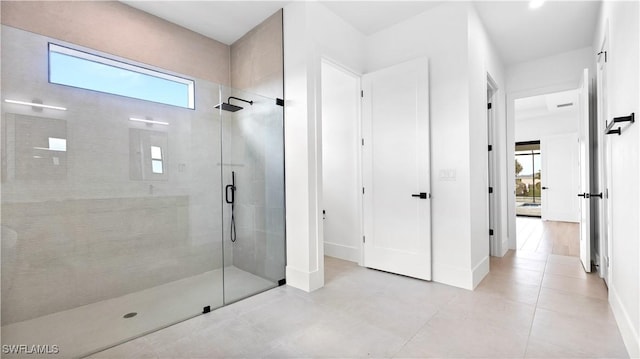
column 595, row 195
column 584, row 195
column 421, row 195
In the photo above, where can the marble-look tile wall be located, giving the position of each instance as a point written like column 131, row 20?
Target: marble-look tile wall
column 255, row 148
column 257, row 67
column 257, row 59
column 119, row 29
column 81, row 225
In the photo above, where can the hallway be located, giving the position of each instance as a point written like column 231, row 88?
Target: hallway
column 532, row 304
column 536, row 235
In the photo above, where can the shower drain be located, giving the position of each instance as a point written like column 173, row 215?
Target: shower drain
column 130, row 315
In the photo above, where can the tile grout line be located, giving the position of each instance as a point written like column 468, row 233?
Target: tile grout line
column 395, row 355
column 535, row 310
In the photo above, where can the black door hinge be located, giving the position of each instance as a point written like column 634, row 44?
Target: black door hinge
column 489, row 106
column 490, row 148
column 364, row 239
column 490, row 189
column 491, row 232
column 361, row 93
column 605, row 55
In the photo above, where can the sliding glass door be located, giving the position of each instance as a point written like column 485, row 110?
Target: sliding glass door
column 528, row 179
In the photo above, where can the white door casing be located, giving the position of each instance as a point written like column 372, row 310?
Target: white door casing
column 559, row 155
column 396, row 168
column 604, row 152
column 584, row 164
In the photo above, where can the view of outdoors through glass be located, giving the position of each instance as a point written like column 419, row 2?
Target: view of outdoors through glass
column 528, row 179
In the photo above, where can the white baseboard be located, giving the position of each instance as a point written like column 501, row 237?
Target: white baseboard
column 480, row 271
column 628, row 332
column 453, row 276
column 505, row 247
column 341, row 251
column 307, row 281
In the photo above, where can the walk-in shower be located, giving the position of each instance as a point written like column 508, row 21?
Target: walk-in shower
column 115, row 219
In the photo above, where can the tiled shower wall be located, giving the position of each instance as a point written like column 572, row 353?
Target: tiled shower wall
column 118, row 29
column 256, row 67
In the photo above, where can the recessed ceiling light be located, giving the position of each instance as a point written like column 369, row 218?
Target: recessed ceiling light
column 534, row 4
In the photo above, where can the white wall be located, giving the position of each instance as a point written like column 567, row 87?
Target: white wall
column 535, row 128
column 460, row 57
column 621, row 20
column 483, row 61
column 550, row 74
column 448, row 34
column 340, row 162
column 443, row 39
column 311, row 32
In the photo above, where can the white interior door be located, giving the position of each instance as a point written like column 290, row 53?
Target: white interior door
column 397, row 209
column 560, row 178
column 583, row 164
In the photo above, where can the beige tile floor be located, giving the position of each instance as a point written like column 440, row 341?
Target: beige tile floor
column 86, row 329
column 532, row 304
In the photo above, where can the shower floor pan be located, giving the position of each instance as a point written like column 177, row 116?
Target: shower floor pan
column 84, row 330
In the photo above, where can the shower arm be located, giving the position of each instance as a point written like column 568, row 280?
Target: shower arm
column 239, row 99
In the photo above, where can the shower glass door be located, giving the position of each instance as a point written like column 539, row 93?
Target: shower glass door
column 252, row 171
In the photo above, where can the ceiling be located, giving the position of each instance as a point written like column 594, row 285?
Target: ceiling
column 372, row 16
column 547, row 105
column 519, row 33
column 225, row 21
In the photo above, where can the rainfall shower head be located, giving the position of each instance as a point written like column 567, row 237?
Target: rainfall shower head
column 227, row 106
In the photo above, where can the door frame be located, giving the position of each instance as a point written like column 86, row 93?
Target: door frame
column 510, row 153
column 604, row 161
column 357, row 148
column 493, row 174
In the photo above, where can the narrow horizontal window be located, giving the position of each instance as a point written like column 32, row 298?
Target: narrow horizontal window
column 88, row 71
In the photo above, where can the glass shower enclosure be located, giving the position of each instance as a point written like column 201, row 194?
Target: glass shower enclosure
column 121, row 216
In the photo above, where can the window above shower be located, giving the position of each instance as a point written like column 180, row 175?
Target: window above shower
column 84, row 70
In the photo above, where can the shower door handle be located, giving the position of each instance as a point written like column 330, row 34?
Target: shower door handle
column 226, row 193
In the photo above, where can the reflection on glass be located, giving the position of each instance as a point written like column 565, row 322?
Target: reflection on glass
column 57, row 144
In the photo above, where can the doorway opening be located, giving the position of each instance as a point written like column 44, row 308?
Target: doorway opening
column 547, row 174
column 341, row 204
